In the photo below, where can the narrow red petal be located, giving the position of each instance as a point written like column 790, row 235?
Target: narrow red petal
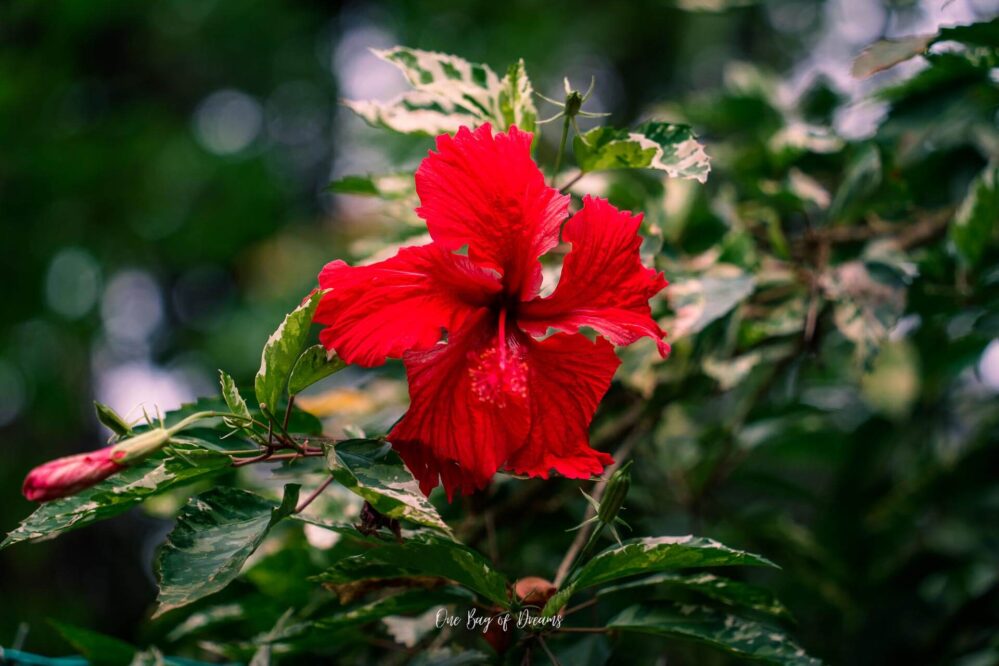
column 603, row 284
column 484, row 191
column 469, row 408
column 568, row 376
column 400, row 304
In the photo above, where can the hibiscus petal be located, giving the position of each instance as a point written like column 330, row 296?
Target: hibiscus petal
column 603, row 284
column 468, row 409
column 484, row 191
column 568, row 376
column 400, row 304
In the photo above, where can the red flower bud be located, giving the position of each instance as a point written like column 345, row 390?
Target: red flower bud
column 534, row 591
column 69, row 475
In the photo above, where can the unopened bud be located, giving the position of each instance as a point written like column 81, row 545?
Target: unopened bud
column 69, row 475
column 141, row 446
column 533, row 590
column 614, row 496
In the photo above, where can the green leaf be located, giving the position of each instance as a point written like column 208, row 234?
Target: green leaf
column 426, row 553
column 717, row 588
column 516, row 99
column 869, row 298
column 887, row 53
column 371, row 469
column 120, row 492
column 654, row 145
column 392, row 186
column 281, row 352
column 731, row 633
column 448, row 92
column 215, row 533
column 314, row 364
column 983, row 33
column 99, row 649
column 861, row 179
column 112, row 419
column 234, row 401
column 636, row 556
column 704, row 299
column 405, row 603
column 975, row 221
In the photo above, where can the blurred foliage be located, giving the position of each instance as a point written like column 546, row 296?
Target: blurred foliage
column 834, row 308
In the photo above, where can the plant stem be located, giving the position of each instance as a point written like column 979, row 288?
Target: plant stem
column 572, row 181
column 315, row 493
column 579, row 607
column 584, row 536
column 544, row 646
column 287, row 413
column 561, row 149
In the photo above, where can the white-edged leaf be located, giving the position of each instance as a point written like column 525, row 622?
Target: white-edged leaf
column 654, row 145
column 280, row 353
column 742, row 636
column 233, row 400
column 516, row 99
column 372, row 470
column 215, row 534
column 887, row 53
column 975, row 222
column 701, row 300
column 649, row 555
column 449, row 92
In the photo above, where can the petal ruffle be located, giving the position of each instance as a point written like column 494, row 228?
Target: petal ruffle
column 485, row 191
column 400, row 304
column 604, row 284
column 468, row 409
column 568, row 376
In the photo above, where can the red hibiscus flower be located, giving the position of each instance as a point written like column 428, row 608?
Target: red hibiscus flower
column 497, row 393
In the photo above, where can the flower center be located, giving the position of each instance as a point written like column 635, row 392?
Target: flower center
column 499, row 374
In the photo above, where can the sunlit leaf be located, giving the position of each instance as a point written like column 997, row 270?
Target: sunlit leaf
column 233, row 400
column 314, row 364
column 654, row 145
column 731, row 633
column 448, row 92
column 516, row 99
column 371, row 469
column 280, row 353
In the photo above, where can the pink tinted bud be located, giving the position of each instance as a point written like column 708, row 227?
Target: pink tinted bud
column 69, row 475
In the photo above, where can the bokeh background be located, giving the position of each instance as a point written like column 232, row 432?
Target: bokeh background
column 162, row 176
